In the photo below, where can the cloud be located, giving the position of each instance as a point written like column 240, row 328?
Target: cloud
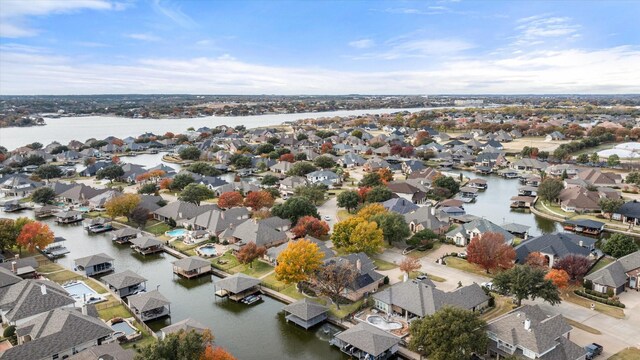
column 143, row 37
column 536, row 30
column 362, row 44
column 611, row 70
column 410, row 46
column 174, row 13
column 16, row 13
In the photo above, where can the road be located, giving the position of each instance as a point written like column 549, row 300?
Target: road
column 329, row 210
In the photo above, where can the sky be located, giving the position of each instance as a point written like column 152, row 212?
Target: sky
column 71, row 47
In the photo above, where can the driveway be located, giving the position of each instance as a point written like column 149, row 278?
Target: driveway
column 329, row 209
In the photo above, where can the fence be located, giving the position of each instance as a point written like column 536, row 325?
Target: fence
column 118, row 301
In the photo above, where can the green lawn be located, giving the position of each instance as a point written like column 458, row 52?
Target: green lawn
column 118, row 310
column 230, row 261
column 343, row 214
column 259, row 268
column 382, row 265
column 502, row 306
column 158, row 228
column 49, row 267
column 344, row 309
column 464, row 265
column 602, row 263
column 63, row 276
column 291, row 291
column 612, row 311
column 627, row 354
column 189, row 249
column 417, row 254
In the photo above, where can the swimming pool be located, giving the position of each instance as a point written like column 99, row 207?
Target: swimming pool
column 124, row 327
column 176, row 232
column 381, row 323
column 83, row 209
column 207, row 251
column 82, row 292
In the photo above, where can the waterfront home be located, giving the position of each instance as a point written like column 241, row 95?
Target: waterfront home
column 149, row 305
column 57, row 334
column 528, row 164
column 417, row 299
column 366, row 342
column 95, row 264
column 427, row 217
column 146, row 245
column 237, row 286
column 125, row 283
column 325, row 177
column 187, row 325
column 191, row 267
column 180, row 211
column 528, row 191
column 463, row 234
column 407, row 191
column 426, row 175
column 288, row 185
column 400, row 205
column 580, row 200
column 110, row 351
column 468, row 192
column 24, row 268
column 560, row 169
column 529, row 333
column 18, row 185
column 97, row 202
column 273, row 252
column 628, row 213
column 519, row 230
column 26, row 299
column 555, row 246
column 68, row 217
column 216, row 221
column 595, row 177
column 80, row 194
column 367, row 280
column 123, row 235
column 305, row 313
column 260, row 232
column 622, row 273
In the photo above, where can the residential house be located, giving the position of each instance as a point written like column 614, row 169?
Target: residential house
column 351, row 160
column 216, row 221
column 367, row 279
column 24, row 300
column 110, row 351
column 326, row 177
column 260, row 232
column 628, row 213
column 408, row 192
column 18, row 185
column 528, row 164
column 180, row 211
column 596, row 177
column 556, row 135
column 186, row 325
column 94, row 264
column 555, row 246
column 410, row 166
column 400, row 205
column 427, row 218
column 375, row 164
column 288, row 185
column 580, row 200
column 617, row 276
column 463, row 234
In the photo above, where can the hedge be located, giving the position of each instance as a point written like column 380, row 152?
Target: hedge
column 599, row 299
column 596, row 293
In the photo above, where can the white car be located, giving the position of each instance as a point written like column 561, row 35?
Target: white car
column 327, row 218
column 488, row 285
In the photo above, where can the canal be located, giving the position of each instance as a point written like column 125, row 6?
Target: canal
column 249, row 332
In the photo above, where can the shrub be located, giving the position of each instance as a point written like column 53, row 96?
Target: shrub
column 588, row 285
column 386, row 280
column 9, row 331
column 610, row 292
column 599, row 299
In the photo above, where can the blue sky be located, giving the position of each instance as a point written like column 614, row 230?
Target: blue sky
column 319, row 47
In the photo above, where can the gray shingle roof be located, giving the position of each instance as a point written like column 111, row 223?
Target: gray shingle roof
column 8, row 278
column 191, row 263
column 144, row 242
column 148, row 301
column 237, row 283
column 32, row 297
column 614, row 274
column 368, row 338
column 111, row 351
column 305, row 309
column 187, row 325
column 123, row 279
column 557, row 244
column 92, row 260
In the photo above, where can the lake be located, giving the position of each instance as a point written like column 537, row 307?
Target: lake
column 82, row 128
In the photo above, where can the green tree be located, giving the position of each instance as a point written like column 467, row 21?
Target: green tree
column 315, row 192
column 619, row 245
column 449, row 334
column 182, row 345
column 111, row 172
column 348, row 200
column 48, row 171
column 358, row 235
column 203, row 168
column 148, row 188
column 269, row 180
column 301, row 168
column 613, row 160
column 633, row 178
column 379, row 194
column 394, row 226
column 181, row 181
column 140, row 216
column 524, row 282
column 43, row 195
column 324, row 162
column 423, row 239
column 550, row 188
column 448, row 183
column 610, row 206
column 196, row 193
column 190, row 153
column 8, row 233
column 240, row 161
column 594, row 158
column 583, row 158
column 357, row 133
column 295, row 208
column 370, row 180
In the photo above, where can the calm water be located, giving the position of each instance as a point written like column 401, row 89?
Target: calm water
column 493, row 205
column 249, row 332
column 82, row 128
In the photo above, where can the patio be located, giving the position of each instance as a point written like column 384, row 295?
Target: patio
column 366, row 315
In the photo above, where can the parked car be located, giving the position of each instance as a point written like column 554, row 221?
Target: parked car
column 462, row 254
column 327, row 218
column 593, row 350
column 488, row 285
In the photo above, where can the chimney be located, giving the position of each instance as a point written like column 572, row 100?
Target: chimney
column 17, row 256
column 84, row 310
column 527, row 324
column 14, row 267
column 43, row 289
column 581, row 243
column 359, row 265
column 433, row 211
column 180, row 214
column 405, row 277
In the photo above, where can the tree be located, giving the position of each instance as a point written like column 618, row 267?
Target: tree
column 326, row 148
column 203, row 168
column 48, row 171
column 526, row 282
column 394, row 226
column 559, row 278
column 301, row 168
column 448, row 183
column 334, row 278
column 610, row 206
column 8, row 233
column 576, row 266
column 196, row 193
column 288, row 157
column 295, row 208
column 43, row 195
column 240, row 161
column 177, row 346
column 165, row 183
column 35, row 235
column 371, row 210
column 298, row 261
column 181, row 181
column 357, row 133
column 216, row 353
column 315, row 192
column 309, row 225
column 385, row 175
column 613, row 160
column 348, row 200
column 536, row 259
column 269, row 180
column 594, row 158
column 379, row 194
column 449, row 334
column 370, row 180
column 122, row 205
column 409, row 265
column 341, row 236
column 583, row 158
column 189, row 153
column 489, row 251
column 250, row 252
column 140, row 216
column 149, row 188
column 324, row 162
column 230, row 199
column 257, row 200
column 110, row 172
column 550, row 188
column 633, row 178
column 264, row 149
column 367, row 238
column 619, row 245
column 423, row 239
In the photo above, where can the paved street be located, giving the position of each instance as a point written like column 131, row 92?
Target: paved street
column 330, row 209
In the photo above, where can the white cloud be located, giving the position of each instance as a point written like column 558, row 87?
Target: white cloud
column 174, row 13
column 143, row 37
column 15, row 13
column 535, row 30
column 362, row 44
column 612, row 70
column 411, row 47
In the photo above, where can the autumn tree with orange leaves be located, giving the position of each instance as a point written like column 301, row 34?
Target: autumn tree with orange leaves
column 559, row 278
column 257, row 200
column 212, row 352
column 490, row 252
column 298, row 261
column 326, row 147
column 309, row 225
column 35, row 235
column 409, row 265
column 385, row 175
column 230, row 199
column 249, row 253
column 150, row 175
column 288, row 157
column 536, row 259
